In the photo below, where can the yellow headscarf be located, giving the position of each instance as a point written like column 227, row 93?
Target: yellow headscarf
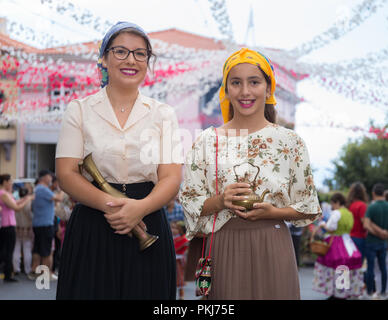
column 245, row 55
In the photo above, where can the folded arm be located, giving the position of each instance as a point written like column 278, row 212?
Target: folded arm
column 375, row 229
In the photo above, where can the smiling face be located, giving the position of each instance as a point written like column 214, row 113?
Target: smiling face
column 247, row 90
column 128, row 73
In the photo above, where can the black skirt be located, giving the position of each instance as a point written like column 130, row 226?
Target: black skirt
column 96, row 263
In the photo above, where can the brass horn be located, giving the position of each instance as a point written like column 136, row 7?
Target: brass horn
column 145, row 239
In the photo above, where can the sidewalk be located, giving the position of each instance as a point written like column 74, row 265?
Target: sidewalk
column 26, row 289
column 305, row 281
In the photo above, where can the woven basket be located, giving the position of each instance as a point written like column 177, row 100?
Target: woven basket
column 319, row 247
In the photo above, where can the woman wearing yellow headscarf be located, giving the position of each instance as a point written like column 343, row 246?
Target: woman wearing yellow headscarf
column 252, row 254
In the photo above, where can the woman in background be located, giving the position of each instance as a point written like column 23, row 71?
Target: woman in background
column 356, row 202
column 24, row 233
column 8, row 222
column 342, row 255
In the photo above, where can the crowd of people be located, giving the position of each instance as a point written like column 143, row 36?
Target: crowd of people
column 33, row 218
column 356, row 231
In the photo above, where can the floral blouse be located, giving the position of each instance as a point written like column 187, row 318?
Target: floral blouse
column 273, row 158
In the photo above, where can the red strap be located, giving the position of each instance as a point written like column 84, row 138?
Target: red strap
column 215, row 216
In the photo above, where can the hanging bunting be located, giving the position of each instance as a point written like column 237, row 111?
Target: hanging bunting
column 38, row 73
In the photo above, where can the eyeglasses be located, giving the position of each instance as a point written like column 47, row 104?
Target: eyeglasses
column 122, row 53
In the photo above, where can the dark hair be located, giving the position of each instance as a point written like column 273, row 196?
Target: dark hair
column 135, row 32
column 4, row 177
column 378, row 189
column 357, row 191
column 386, row 195
column 269, row 110
column 338, row 197
column 23, row 192
column 44, row 172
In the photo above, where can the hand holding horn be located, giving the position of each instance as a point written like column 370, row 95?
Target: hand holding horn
column 145, row 239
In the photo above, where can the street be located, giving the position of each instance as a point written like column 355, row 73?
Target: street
column 26, row 289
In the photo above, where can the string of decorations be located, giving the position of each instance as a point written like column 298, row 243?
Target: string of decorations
column 220, row 14
column 80, row 15
column 178, row 69
column 345, row 23
column 377, row 132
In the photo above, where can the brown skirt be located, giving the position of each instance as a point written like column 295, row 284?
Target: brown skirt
column 253, row 261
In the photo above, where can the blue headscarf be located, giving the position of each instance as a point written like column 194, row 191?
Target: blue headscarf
column 117, row 27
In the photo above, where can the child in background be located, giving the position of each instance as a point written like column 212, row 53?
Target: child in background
column 342, row 256
column 181, row 244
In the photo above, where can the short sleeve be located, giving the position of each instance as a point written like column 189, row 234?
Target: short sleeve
column 171, row 148
column 70, row 142
column 302, row 192
column 332, row 223
column 194, row 190
column 47, row 194
column 362, row 210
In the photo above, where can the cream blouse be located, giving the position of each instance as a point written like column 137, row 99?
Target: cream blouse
column 123, row 155
column 283, row 168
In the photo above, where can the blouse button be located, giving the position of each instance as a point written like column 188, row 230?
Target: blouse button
column 122, row 137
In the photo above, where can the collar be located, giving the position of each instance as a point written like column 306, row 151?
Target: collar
column 101, row 105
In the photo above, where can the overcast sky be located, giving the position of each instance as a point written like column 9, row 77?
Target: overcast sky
column 278, row 24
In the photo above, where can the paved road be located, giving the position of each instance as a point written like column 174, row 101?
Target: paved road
column 26, row 289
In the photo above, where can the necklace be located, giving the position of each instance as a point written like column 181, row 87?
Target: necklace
column 122, row 109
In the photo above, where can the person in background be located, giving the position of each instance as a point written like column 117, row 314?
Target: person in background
column 63, row 212
column 174, row 211
column 24, row 234
column 43, row 223
column 342, row 253
column 181, row 244
column 356, row 202
column 57, row 226
column 1, row 254
column 296, row 235
column 8, row 222
column 326, row 210
column 376, row 223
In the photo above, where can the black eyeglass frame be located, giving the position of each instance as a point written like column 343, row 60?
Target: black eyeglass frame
column 129, row 52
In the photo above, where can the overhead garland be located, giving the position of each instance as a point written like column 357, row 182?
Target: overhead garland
column 342, row 26
column 359, row 79
column 220, row 14
column 80, row 15
column 178, row 69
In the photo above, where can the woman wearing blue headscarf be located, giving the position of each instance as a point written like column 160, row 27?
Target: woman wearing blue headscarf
column 120, row 127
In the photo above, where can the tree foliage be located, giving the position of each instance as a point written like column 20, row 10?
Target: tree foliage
column 364, row 160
